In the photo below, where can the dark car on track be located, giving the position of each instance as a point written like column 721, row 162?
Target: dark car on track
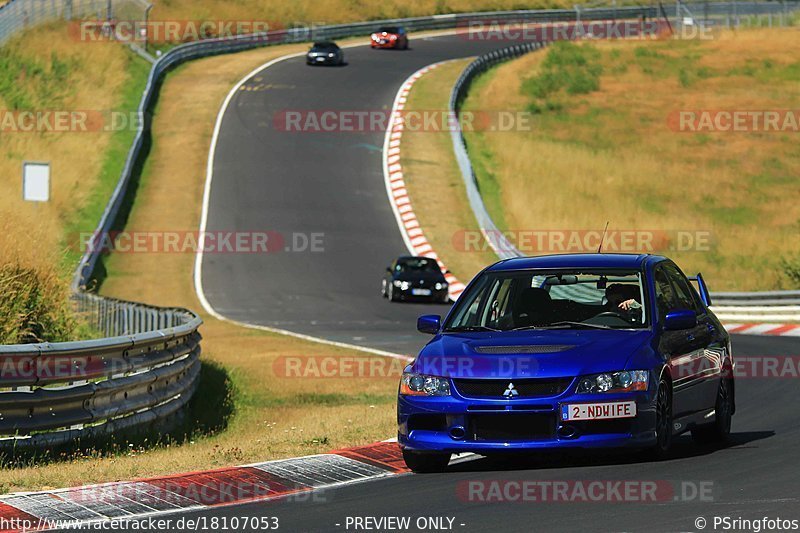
column 390, row 37
column 415, row 278
column 325, row 53
column 568, row 351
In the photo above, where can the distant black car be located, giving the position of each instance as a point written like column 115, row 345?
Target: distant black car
column 414, row 278
column 325, row 53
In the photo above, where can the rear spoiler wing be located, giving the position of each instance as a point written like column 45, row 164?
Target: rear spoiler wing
column 702, row 289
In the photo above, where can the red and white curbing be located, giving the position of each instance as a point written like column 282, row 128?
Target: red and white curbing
column 771, row 330
column 407, row 221
column 72, row 508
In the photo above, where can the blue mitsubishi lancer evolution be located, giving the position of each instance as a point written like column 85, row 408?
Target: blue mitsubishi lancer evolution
column 568, row 351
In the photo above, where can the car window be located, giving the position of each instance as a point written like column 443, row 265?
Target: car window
column 524, row 299
column 683, row 292
column 666, row 300
column 417, row 265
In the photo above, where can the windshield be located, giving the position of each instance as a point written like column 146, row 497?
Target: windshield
column 324, row 47
column 415, row 264
column 568, row 299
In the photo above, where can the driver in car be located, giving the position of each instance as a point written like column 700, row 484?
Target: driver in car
column 623, row 297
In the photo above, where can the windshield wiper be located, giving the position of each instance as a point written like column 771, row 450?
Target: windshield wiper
column 563, row 324
column 471, row 328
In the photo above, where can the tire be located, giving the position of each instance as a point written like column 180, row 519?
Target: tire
column 718, row 431
column 391, row 294
column 383, row 289
column 426, row 462
column 663, row 421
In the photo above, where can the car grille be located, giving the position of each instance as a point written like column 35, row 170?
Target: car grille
column 511, row 426
column 526, row 388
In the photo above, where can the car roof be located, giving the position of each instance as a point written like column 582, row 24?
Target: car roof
column 325, row 44
column 409, row 257
column 627, row 261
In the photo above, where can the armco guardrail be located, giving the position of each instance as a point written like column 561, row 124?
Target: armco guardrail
column 746, row 306
column 145, row 370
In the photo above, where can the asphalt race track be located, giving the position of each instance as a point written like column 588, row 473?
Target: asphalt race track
column 266, row 179
column 333, row 184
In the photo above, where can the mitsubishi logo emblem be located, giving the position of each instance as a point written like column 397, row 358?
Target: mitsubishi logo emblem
column 511, row 391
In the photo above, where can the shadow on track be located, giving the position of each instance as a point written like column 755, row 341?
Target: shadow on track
column 683, row 448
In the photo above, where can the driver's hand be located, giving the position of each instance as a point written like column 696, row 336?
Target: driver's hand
column 627, row 305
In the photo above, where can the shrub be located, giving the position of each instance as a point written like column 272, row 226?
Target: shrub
column 791, row 269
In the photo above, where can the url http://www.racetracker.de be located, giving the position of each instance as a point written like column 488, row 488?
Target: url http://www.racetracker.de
column 151, row 523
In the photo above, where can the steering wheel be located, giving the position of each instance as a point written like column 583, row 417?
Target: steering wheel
column 610, row 314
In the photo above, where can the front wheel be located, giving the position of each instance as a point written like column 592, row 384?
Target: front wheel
column 393, row 297
column 720, row 430
column 426, row 462
column 663, row 421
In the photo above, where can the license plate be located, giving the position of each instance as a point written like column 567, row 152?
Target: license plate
column 598, row 411
column 421, row 292
column 320, row 59
column 383, row 41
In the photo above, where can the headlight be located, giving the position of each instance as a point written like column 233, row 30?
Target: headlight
column 331, row 55
column 626, row 381
column 375, row 37
column 440, row 286
column 403, row 285
column 422, row 385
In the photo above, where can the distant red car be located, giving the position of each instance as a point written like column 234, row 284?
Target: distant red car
column 390, row 37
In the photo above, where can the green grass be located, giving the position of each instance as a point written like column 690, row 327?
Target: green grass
column 86, row 218
column 34, row 83
column 567, row 69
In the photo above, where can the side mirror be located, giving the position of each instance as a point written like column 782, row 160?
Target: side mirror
column 429, row 324
column 680, row 319
column 389, row 270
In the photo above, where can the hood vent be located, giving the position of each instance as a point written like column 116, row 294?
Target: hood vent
column 525, row 348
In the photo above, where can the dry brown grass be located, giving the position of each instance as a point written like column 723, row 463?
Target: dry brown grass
column 93, row 81
column 331, row 11
column 433, row 180
column 610, row 155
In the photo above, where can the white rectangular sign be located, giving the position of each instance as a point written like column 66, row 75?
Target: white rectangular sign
column 36, row 182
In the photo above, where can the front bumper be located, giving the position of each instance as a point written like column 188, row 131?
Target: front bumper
column 387, row 43
column 321, row 60
column 435, row 295
column 456, row 424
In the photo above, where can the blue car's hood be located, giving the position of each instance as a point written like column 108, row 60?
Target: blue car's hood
column 512, row 354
